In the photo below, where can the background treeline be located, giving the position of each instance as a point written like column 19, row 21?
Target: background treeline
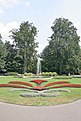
column 61, row 55
column 21, row 55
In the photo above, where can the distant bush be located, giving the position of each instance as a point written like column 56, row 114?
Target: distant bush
column 54, row 73
column 63, row 77
column 49, row 74
column 28, row 74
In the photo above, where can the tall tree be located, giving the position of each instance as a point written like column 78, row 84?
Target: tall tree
column 63, row 50
column 13, row 62
column 2, row 53
column 24, row 41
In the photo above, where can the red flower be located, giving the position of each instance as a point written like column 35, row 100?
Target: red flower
column 11, row 85
column 53, row 83
column 17, row 84
column 40, row 88
column 38, row 81
column 68, row 85
column 23, row 83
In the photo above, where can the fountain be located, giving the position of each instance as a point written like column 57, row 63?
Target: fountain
column 39, row 66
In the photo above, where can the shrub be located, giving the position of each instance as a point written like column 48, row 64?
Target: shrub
column 48, row 73
column 28, row 74
column 43, row 73
column 63, row 77
column 12, row 73
column 54, row 73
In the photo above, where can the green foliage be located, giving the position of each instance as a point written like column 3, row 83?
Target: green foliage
column 2, row 53
column 11, row 62
column 49, row 74
column 24, row 48
column 63, row 77
column 28, row 74
column 62, row 55
column 12, row 73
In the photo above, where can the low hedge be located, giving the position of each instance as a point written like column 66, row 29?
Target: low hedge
column 48, row 74
column 28, row 74
column 63, row 77
column 12, row 73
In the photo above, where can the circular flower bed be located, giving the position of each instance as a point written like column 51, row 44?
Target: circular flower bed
column 40, row 90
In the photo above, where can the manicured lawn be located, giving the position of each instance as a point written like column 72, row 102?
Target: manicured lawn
column 7, row 95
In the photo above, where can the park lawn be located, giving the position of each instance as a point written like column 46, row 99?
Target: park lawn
column 7, row 95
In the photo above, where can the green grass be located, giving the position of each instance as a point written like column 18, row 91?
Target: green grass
column 6, row 95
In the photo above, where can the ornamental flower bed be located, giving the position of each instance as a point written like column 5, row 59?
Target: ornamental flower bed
column 39, row 88
column 18, row 84
column 11, row 85
column 22, row 83
column 53, row 83
column 68, row 85
column 38, row 81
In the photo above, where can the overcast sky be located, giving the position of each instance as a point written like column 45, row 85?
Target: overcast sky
column 42, row 13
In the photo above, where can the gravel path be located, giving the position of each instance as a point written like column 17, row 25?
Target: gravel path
column 66, row 112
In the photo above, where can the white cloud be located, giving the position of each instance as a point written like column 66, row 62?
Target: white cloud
column 78, row 26
column 1, row 11
column 11, row 3
column 5, row 28
column 8, row 3
column 27, row 3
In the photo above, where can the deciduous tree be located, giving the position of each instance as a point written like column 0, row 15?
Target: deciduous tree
column 24, row 41
column 63, row 52
column 2, row 53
